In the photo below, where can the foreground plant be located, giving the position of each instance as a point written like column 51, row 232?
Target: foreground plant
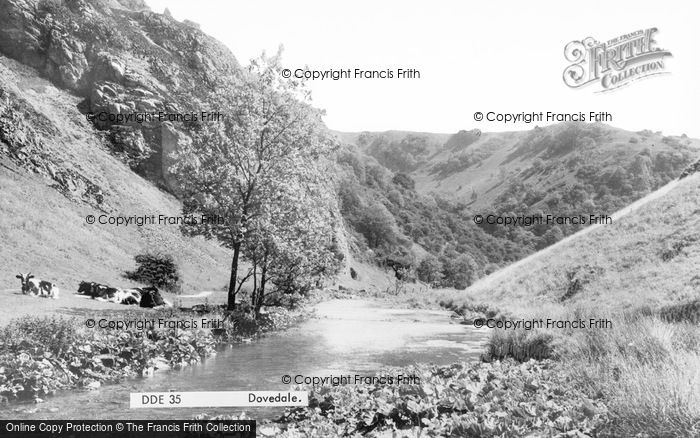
column 41, row 355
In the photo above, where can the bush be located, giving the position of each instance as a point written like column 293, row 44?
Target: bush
column 519, row 345
column 405, row 181
column 156, row 270
column 53, row 335
column 430, row 270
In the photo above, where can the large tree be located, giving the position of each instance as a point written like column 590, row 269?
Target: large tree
column 237, row 169
column 294, row 247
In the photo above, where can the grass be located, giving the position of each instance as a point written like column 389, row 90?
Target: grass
column 645, row 367
column 649, row 256
column 54, row 241
column 640, row 377
column 641, row 274
column 648, row 370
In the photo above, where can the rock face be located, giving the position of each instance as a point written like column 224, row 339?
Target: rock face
column 172, row 140
column 122, row 59
column 20, row 141
column 695, row 167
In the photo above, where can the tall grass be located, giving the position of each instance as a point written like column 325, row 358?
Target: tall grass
column 648, row 369
column 646, row 366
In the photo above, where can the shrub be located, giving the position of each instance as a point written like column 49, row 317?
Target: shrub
column 53, row 335
column 519, row 345
column 405, row 181
column 156, row 270
column 430, row 270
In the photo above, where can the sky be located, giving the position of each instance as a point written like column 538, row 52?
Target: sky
column 501, row 57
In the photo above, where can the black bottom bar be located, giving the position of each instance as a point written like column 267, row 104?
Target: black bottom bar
column 128, row 428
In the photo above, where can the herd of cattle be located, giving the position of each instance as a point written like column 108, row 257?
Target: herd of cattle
column 143, row 296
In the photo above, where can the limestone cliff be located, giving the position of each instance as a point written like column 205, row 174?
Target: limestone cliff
column 119, row 57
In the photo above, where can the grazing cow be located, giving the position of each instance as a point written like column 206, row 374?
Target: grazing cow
column 110, row 294
column 86, row 288
column 36, row 287
column 103, row 292
column 151, row 297
column 96, row 290
column 130, row 296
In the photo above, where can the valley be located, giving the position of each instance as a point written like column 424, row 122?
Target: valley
column 541, row 282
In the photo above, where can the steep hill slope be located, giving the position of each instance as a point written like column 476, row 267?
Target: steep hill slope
column 55, row 170
column 649, row 254
column 65, row 63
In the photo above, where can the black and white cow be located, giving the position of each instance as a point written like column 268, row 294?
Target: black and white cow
column 143, row 296
column 34, row 286
column 96, row 290
column 130, row 296
column 102, row 292
column 151, row 297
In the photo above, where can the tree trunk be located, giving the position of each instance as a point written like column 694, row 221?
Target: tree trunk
column 234, row 276
column 261, row 292
column 254, row 294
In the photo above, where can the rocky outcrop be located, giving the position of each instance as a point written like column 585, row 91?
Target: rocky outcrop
column 24, row 145
column 21, row 33
column 695, row 167
column 172, row 140
column 123, row 59
column 65, row 60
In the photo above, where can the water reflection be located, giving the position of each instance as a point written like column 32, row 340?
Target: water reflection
column 346, row 337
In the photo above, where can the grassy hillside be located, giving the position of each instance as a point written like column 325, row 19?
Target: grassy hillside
column 55, row 169
column 649, row 255
column 640, row 274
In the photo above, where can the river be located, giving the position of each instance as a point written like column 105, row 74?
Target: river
column 345, row 337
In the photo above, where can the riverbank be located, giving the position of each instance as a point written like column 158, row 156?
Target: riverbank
column 636, row 375
column 40, row 355
column 355, row 336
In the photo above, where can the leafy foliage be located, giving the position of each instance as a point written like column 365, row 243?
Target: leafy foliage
column 387, row 215
column 156, row 270
column 41, row 355
column 461, row 400
column 255, row 168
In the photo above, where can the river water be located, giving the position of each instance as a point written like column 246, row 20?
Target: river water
column 345, row 337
